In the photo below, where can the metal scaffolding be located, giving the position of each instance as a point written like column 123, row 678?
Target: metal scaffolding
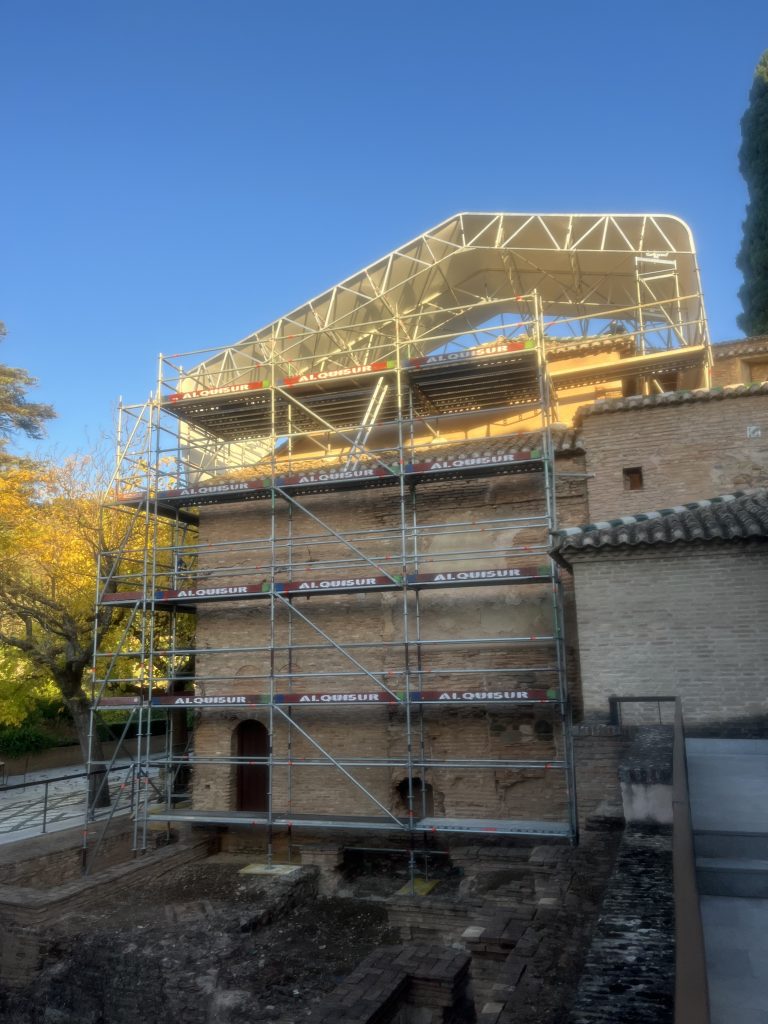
column 429, row 371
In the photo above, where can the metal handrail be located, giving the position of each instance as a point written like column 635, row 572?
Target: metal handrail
column 691, row 987
column 6, row 788
column 41, row 782
column 46, row 783
column 691, row 984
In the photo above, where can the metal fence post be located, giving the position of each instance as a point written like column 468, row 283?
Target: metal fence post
column 45, row 806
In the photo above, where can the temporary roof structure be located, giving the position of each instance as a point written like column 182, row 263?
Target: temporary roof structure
column 589, row 272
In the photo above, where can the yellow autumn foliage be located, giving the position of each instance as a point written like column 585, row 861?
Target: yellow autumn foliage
column 49, row 537
column 52, row 531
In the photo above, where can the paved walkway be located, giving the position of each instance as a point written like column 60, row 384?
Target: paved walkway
column 735, row 933
column 729, row 795
column 48, row 802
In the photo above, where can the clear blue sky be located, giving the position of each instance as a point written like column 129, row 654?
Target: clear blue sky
column 178, row 173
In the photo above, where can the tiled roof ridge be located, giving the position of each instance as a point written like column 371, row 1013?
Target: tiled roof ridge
column 722, row 349
column 736, row 516
column 644, row 517
column 634, row 402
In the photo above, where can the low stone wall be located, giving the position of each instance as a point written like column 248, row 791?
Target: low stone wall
column 524, row 914
column 429, row 919
column 645, row 777
column 629, row 973
column 598, row 750
column 403, row 984
column 28, row 913
column 49, row 860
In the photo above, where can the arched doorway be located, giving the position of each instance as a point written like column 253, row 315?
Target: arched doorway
column 252, row 740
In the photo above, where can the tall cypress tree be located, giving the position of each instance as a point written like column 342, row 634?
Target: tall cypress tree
column 752, row 260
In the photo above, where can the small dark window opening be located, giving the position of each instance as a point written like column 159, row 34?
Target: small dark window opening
column 543, row 730
column 633, row 478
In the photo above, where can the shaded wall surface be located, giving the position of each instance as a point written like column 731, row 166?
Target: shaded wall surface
column 682, row 621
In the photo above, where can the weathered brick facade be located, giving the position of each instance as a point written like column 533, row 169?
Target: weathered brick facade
column 686, row 450
column 740, row 362
column 306, row 662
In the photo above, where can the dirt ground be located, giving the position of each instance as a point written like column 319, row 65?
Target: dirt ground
column 206, row 944
column 203, row 944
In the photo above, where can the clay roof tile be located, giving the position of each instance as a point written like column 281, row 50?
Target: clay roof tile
column 729, row 517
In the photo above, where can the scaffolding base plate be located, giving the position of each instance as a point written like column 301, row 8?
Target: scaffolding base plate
column 419, row 887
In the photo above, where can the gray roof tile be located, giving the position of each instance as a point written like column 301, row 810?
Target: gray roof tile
column 738, row 516
column 575, row 348
column 741, row 347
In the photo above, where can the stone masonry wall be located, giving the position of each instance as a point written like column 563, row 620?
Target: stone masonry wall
column 678, row 621
column 362, row 732
column 629, row 973
column 686, row 451
column 28, row 913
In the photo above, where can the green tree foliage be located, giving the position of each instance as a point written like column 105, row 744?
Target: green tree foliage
column 753, row 163
column 17, row 414
column 51, row 534
column 23, row 687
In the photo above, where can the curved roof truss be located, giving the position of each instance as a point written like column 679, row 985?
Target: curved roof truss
column 589, row 271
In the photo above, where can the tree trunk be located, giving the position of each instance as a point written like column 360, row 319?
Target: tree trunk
column 98, row 783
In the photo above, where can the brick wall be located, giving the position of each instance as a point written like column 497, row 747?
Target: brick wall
column 351, row 733
column 27, row 914
column 730, row 371
column 57, row 857
column 740, row 362
column 687, row 451
column 597, row 752
column 233, row 643
column 687, row 621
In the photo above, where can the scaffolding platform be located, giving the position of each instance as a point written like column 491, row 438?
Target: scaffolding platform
column 454, row 387
column 505, row 373
column 336, row 478
column 368, row 823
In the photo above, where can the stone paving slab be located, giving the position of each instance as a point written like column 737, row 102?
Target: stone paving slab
column 728, row 781
column 736, row 938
